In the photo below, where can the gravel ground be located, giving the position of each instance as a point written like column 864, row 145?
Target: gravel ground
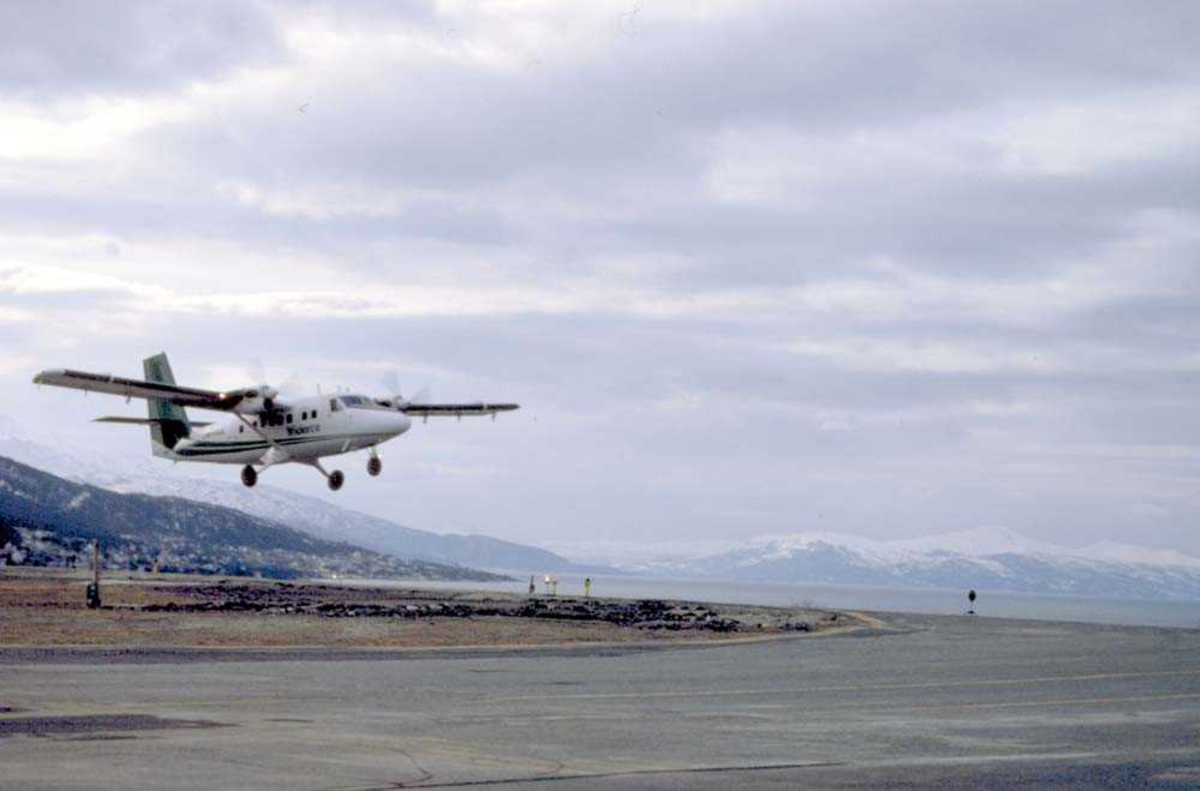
column 46, row 608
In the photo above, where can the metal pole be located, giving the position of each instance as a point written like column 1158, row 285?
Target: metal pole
column 93, row 589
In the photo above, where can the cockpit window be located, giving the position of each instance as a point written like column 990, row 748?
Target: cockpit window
column 358, row 402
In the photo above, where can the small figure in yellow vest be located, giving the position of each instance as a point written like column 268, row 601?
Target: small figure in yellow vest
column 587, row 588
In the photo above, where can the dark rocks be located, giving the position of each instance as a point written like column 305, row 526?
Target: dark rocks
column 330, row 602
column 650, row 614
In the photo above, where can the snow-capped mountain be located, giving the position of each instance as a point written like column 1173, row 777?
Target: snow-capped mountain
column 992, row 558
column 144, row 475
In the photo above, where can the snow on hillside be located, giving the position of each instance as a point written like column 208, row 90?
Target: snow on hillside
column 1113, row 552
column 980, row 543
column 985, row 557
column 977, row 543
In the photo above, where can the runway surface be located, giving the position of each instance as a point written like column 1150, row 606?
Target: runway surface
column 935, row 701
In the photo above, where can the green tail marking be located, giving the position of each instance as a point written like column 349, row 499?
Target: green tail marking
column 172, row 421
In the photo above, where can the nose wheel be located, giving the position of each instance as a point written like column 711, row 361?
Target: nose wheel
column 249, row 476
column 374, row 466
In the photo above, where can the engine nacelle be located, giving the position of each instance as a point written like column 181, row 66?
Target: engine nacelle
column 255, row 400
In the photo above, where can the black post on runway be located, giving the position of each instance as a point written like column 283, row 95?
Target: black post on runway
column 93, row 588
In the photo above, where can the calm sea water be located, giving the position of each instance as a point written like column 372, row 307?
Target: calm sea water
column 937, row 602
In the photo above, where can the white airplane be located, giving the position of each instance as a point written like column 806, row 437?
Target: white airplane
column 268, row 430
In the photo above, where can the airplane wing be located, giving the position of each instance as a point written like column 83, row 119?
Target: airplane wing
column 456, row 410
column 138, row 388
column 144, row 421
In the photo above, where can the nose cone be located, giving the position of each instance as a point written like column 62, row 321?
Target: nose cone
column 400, row 423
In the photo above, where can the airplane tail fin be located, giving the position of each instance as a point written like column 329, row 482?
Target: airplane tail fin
column 170, row 422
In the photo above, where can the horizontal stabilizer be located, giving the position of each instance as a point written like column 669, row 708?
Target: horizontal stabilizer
column 139, row 421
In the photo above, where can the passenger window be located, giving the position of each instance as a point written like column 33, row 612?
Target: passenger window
column 289, row 417
column 241, row 429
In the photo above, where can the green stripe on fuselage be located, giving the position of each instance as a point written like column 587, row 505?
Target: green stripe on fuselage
column 218, row 448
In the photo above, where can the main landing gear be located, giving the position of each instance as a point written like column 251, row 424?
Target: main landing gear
column 374, row 465
column 335, row 478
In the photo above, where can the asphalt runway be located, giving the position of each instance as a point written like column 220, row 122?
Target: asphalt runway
column 934, row 701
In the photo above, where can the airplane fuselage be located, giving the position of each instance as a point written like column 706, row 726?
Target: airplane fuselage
column 308, row 429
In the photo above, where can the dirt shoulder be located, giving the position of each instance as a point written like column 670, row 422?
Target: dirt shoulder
column 45, row 608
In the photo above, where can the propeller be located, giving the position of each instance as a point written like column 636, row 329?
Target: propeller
column 391, row 381
column 291, row 387
column 422, row 396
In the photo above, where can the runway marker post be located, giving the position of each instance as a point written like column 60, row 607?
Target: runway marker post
column 93, row 588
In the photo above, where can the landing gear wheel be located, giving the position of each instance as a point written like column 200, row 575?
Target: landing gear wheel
column 249, row 475
column 374, row 466
column 336, row 479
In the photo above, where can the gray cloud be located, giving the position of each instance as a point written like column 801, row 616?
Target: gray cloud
column 51, row 49
column 881, row 268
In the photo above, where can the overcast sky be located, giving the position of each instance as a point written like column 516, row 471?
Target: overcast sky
column 881, row 269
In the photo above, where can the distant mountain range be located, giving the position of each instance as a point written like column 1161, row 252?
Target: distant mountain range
column 982, row 559
column 993, row 559
column 310, row 514
column 49, row 521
